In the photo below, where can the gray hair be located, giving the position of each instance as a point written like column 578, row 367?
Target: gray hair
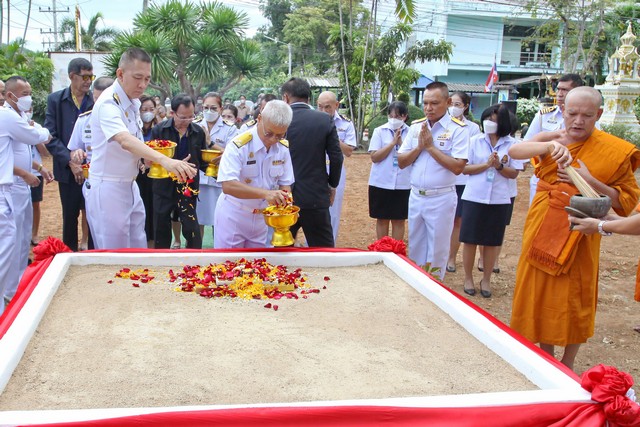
column 277, row 112
column 102, row 83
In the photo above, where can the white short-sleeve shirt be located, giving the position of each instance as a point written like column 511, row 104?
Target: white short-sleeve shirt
column 346, row 130
column 251, row 164
column 14, row 127
column 386, row 173
column 490, row 187
column 221, row 133
column 114, row 113
column 474, row 130
column 449, row 137
column 81, row 136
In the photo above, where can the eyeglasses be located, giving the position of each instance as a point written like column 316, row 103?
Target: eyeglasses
column 212, row 108
column 270, row 135
column 87, row 77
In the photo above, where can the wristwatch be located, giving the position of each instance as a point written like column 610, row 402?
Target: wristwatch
column 601, row 231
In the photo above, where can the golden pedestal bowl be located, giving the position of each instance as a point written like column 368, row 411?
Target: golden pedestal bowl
column 157, row 171
column 281, row 224
column 209, row 156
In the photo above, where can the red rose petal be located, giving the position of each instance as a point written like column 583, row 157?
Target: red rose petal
column 327, row 278
column 275, row 308
column 268, row 305
column 135, row 285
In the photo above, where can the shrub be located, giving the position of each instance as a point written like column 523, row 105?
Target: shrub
column 623, row 132
column 526, row 109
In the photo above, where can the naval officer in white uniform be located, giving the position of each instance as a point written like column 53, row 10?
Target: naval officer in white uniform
column 254, row 171
column 328, row 103
column 436, row 147
column 115, row 210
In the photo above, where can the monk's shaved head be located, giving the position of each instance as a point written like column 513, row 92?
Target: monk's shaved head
column 584, row 94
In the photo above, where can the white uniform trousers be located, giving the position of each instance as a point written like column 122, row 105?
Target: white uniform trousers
column 430, row 226
column 207, row 200
column 116, row 214
column 7, row 238
column 533, row 185
column 336, row 209
column 236, row 226
column 23, row 216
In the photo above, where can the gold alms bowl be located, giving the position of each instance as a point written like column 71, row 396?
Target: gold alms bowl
column 157, row 171
column 209, row 156
column 281, row 219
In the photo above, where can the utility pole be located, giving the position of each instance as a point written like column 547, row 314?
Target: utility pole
column 145, row 5
column 55, row 12
column 8, row 20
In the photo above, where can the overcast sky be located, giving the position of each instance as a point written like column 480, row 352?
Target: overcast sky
column 117, row 13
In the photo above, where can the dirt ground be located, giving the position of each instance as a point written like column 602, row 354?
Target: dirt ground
column 615, row 342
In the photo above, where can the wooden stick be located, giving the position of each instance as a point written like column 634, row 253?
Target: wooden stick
column 583, row 187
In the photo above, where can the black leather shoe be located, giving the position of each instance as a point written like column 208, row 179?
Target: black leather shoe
column 470, row 292
column 485, row 294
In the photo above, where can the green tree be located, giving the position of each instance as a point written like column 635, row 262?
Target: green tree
column 194, row 45
column 36, row 67
column 93, row 38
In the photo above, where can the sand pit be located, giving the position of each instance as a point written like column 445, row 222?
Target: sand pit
column 368, row 335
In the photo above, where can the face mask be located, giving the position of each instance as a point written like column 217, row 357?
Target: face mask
column 395, row 123
column 29, row 115
column 211, row 116
column 456, row 111
column 489, row 127
column 24, row 103
column 148, row 116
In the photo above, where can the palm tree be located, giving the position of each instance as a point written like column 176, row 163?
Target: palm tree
column 192, row 45
column 93, row 38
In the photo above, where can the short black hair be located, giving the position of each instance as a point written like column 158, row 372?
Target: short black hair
column 575, row 79
column 11, row 82
column 231, row 108
column 268, row 97
column 78, row 64
column 398, row 107
column 145, row 98
column 441, row 86
column 297, row 88
column 133, row 54
column 102, row 83
column 181, row 99
column 215, row 95
column 504, row 118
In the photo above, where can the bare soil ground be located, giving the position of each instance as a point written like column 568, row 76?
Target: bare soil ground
column 614, row 343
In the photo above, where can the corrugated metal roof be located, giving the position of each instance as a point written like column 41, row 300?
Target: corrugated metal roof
column 328, row 82
column 475, row 88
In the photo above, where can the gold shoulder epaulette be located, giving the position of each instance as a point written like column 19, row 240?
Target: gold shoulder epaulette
column 116, row 98
column 86, row 113
column 547, row 110
column 458, row 121
column 284, row 142
column 418, row 120
column 251, row 123
column 344, row 118
column 229, row 123
column 242, row 139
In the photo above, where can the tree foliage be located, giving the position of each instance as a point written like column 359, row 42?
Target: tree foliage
column 193, row 45
column 93, row 38
column 36, row 67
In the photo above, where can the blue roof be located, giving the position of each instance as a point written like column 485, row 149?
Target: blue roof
column 422, row 82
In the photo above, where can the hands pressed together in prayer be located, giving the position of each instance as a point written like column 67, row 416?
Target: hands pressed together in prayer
column 425, row 138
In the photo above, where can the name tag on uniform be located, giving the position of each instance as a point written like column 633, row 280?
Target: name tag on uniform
column 277, row 162
column 552, row 121
column 219, row 141
column 444, row 136
column 251, row 162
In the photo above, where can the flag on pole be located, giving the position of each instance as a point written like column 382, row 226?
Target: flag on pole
column 493, row 78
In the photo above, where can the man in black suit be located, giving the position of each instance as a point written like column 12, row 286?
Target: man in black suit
column 169, row 195
column 312, row 139
column 63, row 109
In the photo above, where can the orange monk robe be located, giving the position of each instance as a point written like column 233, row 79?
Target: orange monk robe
column 556, row 291
column 637, row 293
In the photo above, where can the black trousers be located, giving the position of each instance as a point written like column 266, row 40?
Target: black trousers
column 186, row 209
column 316, row 224
column 72, row 202
column 146, row 193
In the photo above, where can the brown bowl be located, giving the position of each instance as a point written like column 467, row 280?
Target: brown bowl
column 595, row 207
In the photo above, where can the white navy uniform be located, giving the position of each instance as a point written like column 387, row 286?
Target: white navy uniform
column 114, row 208
column 433, row 200
column 13, row 128
column 247, row 125
column 347, row 134
column 246, row 160
column 221, row 133
column 474, row 130
column 386, row 173
column 81, row 140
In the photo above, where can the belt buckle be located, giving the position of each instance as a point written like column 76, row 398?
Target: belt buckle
column 422, row 192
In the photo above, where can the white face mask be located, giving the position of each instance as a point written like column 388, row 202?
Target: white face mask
column 211, row 116
column 395, row 123
column 147, row 116
column 489, row 127
column 456, row 111
column 24, row 103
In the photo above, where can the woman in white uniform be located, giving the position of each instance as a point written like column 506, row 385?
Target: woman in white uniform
column 220, row 132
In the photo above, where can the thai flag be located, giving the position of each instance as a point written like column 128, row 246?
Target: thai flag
column 493, row 78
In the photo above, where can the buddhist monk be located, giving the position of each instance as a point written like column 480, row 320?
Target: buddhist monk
column 556, row 291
